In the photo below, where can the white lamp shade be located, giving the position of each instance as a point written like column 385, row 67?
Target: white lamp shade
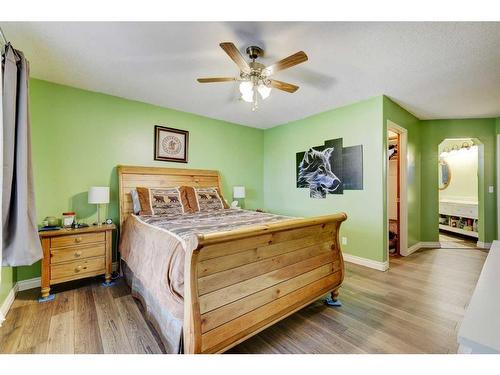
column 264, row 91
column 99, row 194
column 238, row 192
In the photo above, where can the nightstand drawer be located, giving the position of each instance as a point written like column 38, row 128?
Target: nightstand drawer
column 73, row 269
column 77, row 253
column 77, row 239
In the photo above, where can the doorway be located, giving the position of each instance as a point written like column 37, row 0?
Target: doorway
column 396, row 190
column 458, row 184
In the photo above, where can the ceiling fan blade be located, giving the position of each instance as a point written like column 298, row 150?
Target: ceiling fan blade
column 235, row 55
column 288, row 87
column 287, row 62
column 216, row 79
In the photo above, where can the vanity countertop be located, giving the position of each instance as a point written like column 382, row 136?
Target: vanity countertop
column 458, row 201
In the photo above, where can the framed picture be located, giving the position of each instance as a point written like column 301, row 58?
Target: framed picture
column 171, row 144
column 330, row 168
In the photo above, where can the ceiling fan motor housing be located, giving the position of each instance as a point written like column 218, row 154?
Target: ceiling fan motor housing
column 254, row 52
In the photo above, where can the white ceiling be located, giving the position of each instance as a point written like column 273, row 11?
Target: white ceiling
column 435, row 70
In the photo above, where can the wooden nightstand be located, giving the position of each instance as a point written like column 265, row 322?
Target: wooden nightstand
column 70, row 254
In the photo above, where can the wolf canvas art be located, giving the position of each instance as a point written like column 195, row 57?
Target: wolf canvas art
column 330, row 168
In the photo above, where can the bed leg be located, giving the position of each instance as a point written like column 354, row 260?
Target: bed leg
column 108, row 281
column 334, row 299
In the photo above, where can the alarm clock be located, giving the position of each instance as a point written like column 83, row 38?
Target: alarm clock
column 109, row 221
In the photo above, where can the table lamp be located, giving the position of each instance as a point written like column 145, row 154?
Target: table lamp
column 238, row 193
column 99, row 195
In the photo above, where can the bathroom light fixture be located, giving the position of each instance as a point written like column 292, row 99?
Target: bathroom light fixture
column 467, row 145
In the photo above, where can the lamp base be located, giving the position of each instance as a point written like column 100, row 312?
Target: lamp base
column 241, row 202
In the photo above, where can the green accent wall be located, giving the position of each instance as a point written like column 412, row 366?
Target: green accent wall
column 357, row 124
column 79, row 137
column 399, row 116
column 432, row 133
column 8, row 279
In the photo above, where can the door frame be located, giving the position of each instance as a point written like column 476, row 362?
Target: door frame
column 403, row 195
column 496, row 187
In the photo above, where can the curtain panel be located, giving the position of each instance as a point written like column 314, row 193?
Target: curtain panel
column 21, row 245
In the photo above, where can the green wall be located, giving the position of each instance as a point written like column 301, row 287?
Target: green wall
column 394, row 113
column 79, row 137
column 433, row 132
column 359, row 123
column 8, row 279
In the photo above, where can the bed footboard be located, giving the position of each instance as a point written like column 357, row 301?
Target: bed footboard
column 238, row 283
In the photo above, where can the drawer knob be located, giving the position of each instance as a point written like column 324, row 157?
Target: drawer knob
column 78, row 254
column 78, row 268
column 78, row 239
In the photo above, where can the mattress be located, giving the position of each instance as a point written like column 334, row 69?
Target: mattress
column 154, row 248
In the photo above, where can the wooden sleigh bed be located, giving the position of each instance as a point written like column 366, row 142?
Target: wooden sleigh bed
column 238, row 282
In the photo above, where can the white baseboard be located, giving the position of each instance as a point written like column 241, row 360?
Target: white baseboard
column 7, row 303
column 25, row 285
column 430, row 245
column 29, row 284
column 411, row 249
column 420, row 245
column 381, row 266
column 483, row 245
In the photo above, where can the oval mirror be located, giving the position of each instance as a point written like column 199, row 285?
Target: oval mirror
column 444, row 175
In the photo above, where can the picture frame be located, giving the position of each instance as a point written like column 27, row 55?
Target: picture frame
column 171, row 144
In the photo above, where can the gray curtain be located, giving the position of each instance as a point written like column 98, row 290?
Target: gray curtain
column 21, row 245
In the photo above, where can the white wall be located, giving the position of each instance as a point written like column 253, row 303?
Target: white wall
column 463, row 165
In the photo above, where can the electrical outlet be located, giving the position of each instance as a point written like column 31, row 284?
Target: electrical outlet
column 344, row 240
column 490, row 189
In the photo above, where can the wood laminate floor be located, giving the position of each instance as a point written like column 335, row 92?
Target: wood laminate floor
column 453, row 241
column 415, row 307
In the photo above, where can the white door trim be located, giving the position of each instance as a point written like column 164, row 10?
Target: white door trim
column 498, row 184
column 403, row 197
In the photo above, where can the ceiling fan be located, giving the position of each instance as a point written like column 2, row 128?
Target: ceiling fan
column 254, row 76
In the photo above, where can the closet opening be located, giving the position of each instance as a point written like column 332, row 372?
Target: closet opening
column 396, row 191
column 458, row 184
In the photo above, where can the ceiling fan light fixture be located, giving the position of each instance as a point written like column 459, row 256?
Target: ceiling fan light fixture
column 264, row 91
column 248, row 96
column 246, row 88
column 255, row 82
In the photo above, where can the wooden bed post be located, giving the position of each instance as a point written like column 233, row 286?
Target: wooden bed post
column 192, row 327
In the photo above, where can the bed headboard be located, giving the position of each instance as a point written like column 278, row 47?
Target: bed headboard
column 130, row 177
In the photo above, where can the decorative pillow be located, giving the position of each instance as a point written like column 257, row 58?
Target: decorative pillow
column 187, row 194
column 204, row 199
column 135, row 201
column 156, row 201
